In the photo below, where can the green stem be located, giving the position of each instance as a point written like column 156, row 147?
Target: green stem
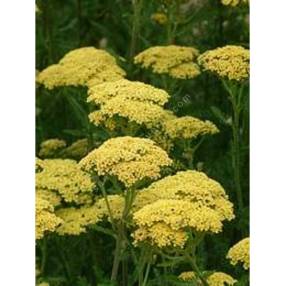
column 235, row 96
column 121, row 236
column 197, row 270
column 137, row 7
column 147, row 274
column 43, row 245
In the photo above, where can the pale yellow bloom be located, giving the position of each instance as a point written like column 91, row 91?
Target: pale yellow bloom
column 50, row 148
column 76, row 220
column 173, row 216
column 230, row 62
column 240, row 253
column 129, row 90
column 220, row 279
column 215, row 279
column 81, row 67
column 188, row 127
column 192, row 186
column 176, row 61
column 130, row 159
column 142, row 113
column 46, row 220
column 65, row 178
column 234, row 3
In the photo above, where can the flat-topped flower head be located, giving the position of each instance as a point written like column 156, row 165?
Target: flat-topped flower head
column 234, row 3
column 175, row 216
column 214, row 279
column 65, row 178
column 50, row 148
column 176, row 61
column 142, row 113
column 81, row 67
column 192, row 186
column 129, row 90
column 230, row 62
column 130, row 159
column 239, row 253
column 189, row 127
column 46, row 220
column 76, row 220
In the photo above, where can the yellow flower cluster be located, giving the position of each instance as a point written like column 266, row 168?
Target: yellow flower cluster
column 76, row 150
column 125, row 89
column 231, row 62
column 125, row 98
column 116, row 203
column 65, row 178
column 176, row 61
column 192, row 186
column 141, row 113
column 49, row 148
column 46, row 220
column 76, row 220
column 189, row 127
column 173, row 216
column 215, row 279
column 160, row 18
column 81, row 67
column 233, row 3
column 130, row 159
column 240, row 253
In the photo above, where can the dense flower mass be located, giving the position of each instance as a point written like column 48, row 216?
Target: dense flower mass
column 50, row 147
column 173, row 216
column 176, row 61
column 234, row 3
column 129, row 90
column 192, row 186
column 139, row 112
column 130, row 159
column 46, row 220
column 189, row 127
column 65, row 178
column 231, row 62
column 215, row 279
column 76, row 220
column 81, row 67
column 240, row 253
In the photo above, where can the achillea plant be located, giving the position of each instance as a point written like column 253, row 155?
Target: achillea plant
column 81, row 67
column 51, row 148
column 214, row 279
column 176, row 61
column 239, row 253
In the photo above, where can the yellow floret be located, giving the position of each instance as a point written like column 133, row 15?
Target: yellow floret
column 65, row 178
column 231, row 62
column 125, row 89
column 240, row 253
column 173, row 216
column 49, row 148
column 81, row 67
column 176, row 61
column 76, row 220
column 234, row 3
column 130, row 159
column 193, row 186
column 46, row 220
column 189, row 127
